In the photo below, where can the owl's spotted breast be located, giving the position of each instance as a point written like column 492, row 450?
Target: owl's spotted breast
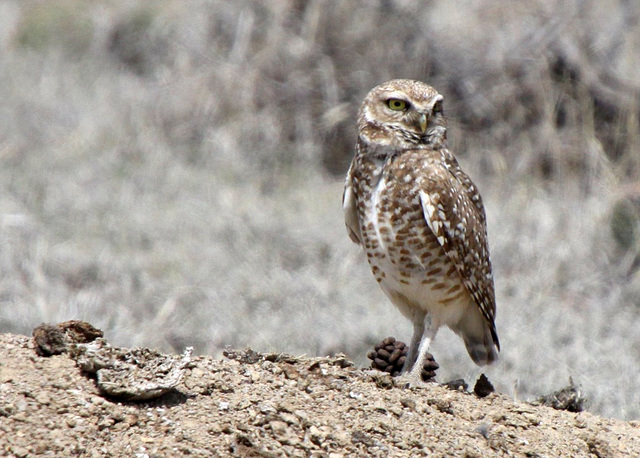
column 403, row 252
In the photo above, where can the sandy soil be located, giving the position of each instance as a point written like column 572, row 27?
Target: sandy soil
column 279, row 405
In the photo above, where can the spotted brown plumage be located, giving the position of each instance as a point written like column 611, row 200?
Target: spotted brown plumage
column 421, row 221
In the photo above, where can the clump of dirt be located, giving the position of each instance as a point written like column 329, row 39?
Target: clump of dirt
column 56, row 339
column 253, row 404
column 139, row 374
column 483, row 387
column 568, row 398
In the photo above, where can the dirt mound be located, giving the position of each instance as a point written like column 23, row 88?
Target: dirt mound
column 252, row 404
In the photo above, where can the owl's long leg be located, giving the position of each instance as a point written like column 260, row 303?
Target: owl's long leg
column 418, row 331
column 423, row 335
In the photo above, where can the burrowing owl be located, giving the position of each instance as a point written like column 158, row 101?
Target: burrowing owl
column 421, row 221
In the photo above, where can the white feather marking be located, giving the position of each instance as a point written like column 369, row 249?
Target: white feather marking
column 375, row 201
column 430, row 211
column 350, row 217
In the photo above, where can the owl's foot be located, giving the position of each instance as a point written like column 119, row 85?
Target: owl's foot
column 418, row 377
column 410, row 380
column 390, row 355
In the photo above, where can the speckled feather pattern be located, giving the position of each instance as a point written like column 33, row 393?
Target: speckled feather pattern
column 420, row 218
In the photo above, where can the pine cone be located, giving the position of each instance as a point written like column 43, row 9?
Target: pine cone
column 429, row 369
column 391, row 354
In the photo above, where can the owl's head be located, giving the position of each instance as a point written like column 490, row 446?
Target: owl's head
column 402, row 114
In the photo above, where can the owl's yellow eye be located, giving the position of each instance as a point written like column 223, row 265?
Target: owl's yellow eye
column 437, row 107
column 397, row 104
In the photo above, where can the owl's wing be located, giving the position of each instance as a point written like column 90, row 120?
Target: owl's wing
column 460, row 228
column 467, row 185
column 350, row 210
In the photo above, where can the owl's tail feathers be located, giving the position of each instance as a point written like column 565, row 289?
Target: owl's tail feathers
column 479, row 337
column 481, row 352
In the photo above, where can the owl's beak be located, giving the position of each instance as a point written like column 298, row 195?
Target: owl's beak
column 423, row 122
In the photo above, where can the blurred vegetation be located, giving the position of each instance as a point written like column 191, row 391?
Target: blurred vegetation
column 171, row 172
column 66, row 25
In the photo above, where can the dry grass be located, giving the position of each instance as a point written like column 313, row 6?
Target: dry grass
column 172, row 174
